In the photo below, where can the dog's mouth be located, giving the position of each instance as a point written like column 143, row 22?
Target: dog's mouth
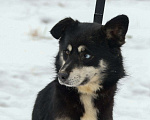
column 85, row 81
column 75, row 82
column 66, row 83
column 69, row 83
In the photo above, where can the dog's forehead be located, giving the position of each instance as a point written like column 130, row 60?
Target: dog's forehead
column 88, row 26
column 82, row 35
column 84, row 30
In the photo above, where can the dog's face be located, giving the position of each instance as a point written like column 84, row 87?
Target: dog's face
column 88, row 51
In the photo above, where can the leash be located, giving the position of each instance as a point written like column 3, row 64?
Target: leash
column 99, row 10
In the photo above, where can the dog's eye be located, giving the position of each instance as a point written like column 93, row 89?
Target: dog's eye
column 87, row 56
column 67, row 52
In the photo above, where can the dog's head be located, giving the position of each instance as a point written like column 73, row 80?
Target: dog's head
column 89, row 52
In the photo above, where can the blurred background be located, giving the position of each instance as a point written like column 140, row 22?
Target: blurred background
column 27, row 52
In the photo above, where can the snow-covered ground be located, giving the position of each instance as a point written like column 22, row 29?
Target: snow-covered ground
column 27, row 52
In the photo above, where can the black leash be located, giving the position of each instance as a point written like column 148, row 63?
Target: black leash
column 99, row 10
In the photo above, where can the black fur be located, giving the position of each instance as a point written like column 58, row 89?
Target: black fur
column 104, row 42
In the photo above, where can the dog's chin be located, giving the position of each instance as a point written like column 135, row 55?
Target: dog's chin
column 70, row 84
column 66, row 83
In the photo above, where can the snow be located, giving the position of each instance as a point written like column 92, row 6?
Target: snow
column 27, row 52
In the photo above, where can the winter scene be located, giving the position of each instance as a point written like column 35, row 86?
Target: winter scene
column 28, row 51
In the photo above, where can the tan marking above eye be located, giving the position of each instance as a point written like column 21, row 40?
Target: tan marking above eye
column 69, row 47
column 81, row 48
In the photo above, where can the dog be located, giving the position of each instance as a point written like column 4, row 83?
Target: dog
column 89, row 64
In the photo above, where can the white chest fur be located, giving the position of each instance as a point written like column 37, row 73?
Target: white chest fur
column 90, row 110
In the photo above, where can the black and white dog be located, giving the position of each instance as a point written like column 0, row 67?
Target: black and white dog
column 89, row 65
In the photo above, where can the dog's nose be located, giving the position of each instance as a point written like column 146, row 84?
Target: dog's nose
column 63, row 76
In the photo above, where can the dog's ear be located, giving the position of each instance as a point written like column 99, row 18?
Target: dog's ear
column 58, row 30
column 115, row 30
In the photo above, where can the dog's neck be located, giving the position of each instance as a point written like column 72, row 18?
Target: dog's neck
column 87, row 96
column 90, row 88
